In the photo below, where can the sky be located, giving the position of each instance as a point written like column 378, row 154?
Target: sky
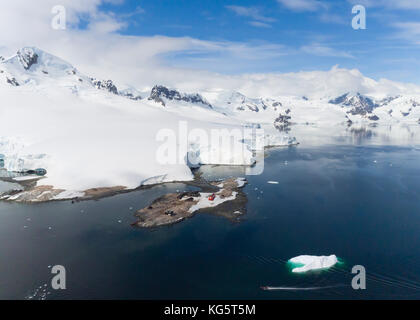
column 292, row 35
column 219, row 41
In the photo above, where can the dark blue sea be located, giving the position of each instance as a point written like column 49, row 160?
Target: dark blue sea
column 355, row 194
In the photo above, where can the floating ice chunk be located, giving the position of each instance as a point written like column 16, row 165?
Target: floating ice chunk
column 273, row 182
column 306, row 263
column 241, row 182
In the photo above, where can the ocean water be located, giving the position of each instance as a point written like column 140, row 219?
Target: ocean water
column 353, row 193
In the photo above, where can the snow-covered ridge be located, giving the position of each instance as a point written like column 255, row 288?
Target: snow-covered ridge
column 285, row 111
column 89, row 133
column 31, row 66
column 162, row 95
column 236, row 102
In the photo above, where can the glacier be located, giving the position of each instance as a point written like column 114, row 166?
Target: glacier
column 89, row 133
column 87, row 136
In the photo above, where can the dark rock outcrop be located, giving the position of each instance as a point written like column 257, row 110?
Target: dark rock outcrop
column 129, row 95
column 414, row 103
column 373, row 117
column 359, row 104
column 13, row 82
column 159, row 93
column 387, row 100
column 106, row 85
column 27, row 57
column 282, row 123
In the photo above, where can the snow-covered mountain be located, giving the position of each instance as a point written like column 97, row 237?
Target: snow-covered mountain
column 31, row 66
column 40, row 70
column 344, row 108
column 162, row 95
column 90, row 133
column 358, row 104
column 236, row 101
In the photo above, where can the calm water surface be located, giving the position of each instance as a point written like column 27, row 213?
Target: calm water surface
column 355, row 194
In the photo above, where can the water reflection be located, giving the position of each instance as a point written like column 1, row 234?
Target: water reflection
column 357, row 134
column 361, row 134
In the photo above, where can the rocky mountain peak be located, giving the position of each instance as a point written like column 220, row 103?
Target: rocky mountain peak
column 27, row 57
column 160, row 93
column 240, row 102
column 358, row 103
column 106, row 85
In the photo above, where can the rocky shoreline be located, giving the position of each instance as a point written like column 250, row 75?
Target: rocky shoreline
column 175, row 207
column 29, row 192
column 223, row 198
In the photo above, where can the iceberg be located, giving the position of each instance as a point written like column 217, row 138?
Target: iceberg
column 306, row 263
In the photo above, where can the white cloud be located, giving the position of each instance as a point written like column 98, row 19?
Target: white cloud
column 259, row 24
column 143, row 61
column 251, row 12
column 334, row 18
column 390, row 4
column 303, row 5
column 409, row 31
column 324, row 51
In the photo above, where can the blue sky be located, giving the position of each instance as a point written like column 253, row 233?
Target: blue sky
column 291, row 35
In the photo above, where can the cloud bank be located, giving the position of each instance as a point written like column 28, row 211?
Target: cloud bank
column 92, row 43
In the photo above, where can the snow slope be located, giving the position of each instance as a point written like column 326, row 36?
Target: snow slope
column 88, row 134
column 91, row 133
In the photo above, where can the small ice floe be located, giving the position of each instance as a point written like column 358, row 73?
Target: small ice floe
column 240, row 181
column 375, row 161
column 40, row 293
column 49, row 228
column 131, row 208
column 272, row 182
column 286, row 163
column 119, row 221
column 306, row 263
